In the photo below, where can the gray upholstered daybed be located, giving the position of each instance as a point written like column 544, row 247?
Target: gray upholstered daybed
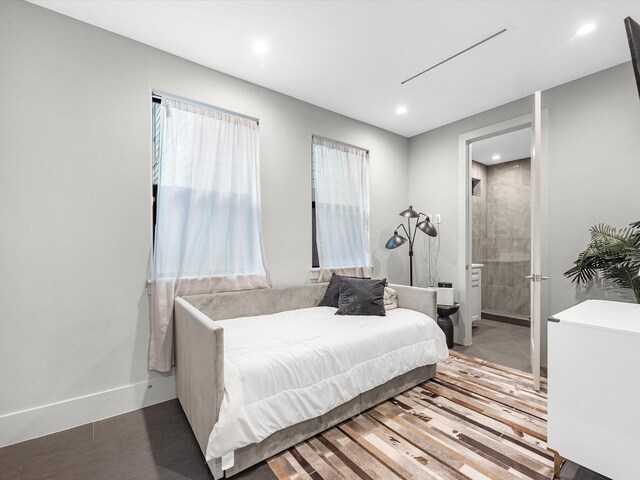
column 199, row 329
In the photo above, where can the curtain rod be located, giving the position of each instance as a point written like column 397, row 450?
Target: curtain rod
column 338, row 141
column 157, row 96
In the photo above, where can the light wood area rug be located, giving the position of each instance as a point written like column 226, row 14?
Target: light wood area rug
column 474, row 420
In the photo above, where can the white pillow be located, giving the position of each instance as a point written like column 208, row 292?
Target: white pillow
column 390, row 299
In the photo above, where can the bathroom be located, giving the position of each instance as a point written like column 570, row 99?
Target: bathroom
column 501, row 235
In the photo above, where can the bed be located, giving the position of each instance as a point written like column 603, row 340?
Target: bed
column 262, row 370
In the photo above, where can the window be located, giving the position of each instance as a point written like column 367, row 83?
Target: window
column 205, row 179
column 340, row 205
column 157, row 119
column 207, row 211
column 315, row 259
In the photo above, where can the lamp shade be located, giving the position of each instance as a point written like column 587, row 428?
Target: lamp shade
column 427, row 227
column 409, row 213
column 395, row 241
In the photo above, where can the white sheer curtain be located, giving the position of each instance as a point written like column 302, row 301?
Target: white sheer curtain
column 341, row 181
column 208, row 235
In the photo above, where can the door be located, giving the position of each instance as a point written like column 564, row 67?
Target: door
column 463, row 325
column 536, row 277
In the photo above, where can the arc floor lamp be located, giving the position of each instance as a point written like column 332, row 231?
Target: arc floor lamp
column 397, row 240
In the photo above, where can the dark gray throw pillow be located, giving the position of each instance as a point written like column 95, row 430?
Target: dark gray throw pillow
column 360, row 296
column 332, row 293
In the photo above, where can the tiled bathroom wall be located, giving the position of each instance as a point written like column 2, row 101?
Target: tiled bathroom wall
column 501, row 218
column 478, row 210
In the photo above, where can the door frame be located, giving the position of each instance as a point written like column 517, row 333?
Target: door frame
column 462, row 325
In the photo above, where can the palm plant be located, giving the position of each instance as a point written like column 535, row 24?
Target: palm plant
column 613, row 253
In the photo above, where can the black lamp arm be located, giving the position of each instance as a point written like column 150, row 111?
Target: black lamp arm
column 405, row 231
column 416, row 229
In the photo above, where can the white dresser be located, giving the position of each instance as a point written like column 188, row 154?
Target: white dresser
column 594, row 387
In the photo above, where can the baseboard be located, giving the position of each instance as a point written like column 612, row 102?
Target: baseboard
column 506, row 318
column 39, row 421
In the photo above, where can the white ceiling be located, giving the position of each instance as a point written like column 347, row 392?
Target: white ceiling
column 350, row 56
column 509, row 146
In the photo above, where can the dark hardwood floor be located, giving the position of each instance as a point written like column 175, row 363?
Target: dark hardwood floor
column 153, row 443
column 157, row 443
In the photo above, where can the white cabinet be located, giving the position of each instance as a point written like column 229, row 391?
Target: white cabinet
column 475, row 296
column 594, row 386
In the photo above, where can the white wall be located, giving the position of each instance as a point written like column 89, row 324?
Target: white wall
column 593, row 171
column 75, row 209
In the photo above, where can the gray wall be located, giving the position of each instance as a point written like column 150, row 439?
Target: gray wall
column 593, row 171
column 75, row 191
column 433, row 178
column 478, row 212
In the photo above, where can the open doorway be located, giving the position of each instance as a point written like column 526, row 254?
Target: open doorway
column 500, row 293
column 535, row 126
column 501, row 350
column 501, row 224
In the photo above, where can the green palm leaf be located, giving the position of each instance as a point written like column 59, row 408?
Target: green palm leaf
column 613, row 253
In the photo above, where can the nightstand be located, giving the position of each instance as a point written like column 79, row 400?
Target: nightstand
column 445, row 323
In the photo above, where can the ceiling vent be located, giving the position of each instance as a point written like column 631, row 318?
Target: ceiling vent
column 455, row 55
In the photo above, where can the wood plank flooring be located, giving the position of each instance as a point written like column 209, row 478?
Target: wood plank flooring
column 475, row 420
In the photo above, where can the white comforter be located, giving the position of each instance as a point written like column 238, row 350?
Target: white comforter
column 292, row 366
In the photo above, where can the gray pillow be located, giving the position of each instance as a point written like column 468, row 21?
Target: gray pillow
column 359, row 296
column 332, row 292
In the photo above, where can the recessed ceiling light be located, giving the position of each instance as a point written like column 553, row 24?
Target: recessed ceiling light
column 495, row 157
column 260, row 47
column 401, row 110
column 588, row 28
